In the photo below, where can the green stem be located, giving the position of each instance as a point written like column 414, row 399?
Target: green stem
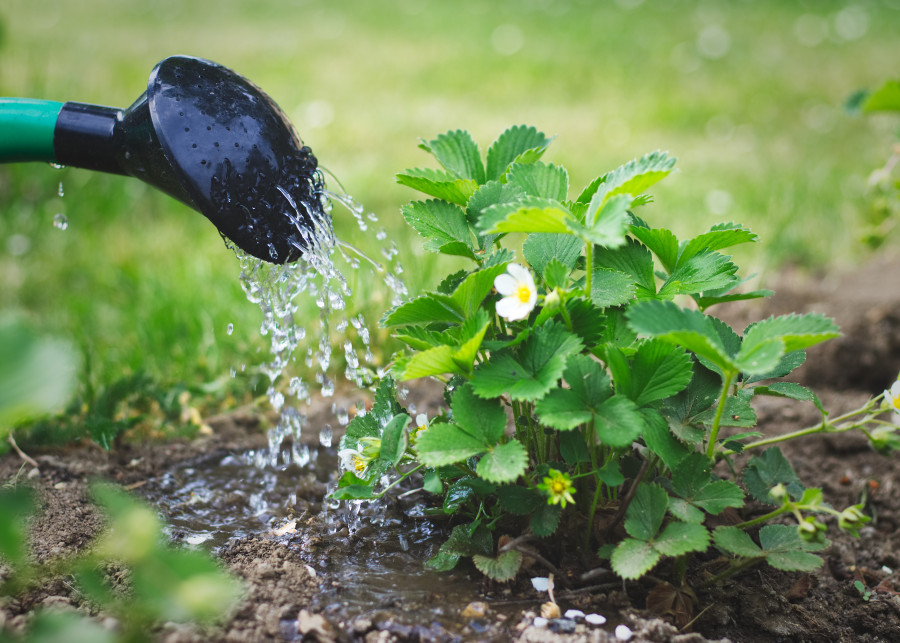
column 590, row 522
column 399, row 480
column 764, row 518
column 733, row 569
column 727, row 381
column 589, row 268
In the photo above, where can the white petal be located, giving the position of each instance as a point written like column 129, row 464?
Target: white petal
column 540, row 583
column 895, row 389
column 520, row 273
column 623, row 633
column 421, row 420
column 505, row 284
column 512, row 309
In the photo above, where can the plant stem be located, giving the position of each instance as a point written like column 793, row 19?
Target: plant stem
column 764, row 518
column 727, row 381
column 733, row 569
column 623, row 507
column 399, row 480
column 589, row 268
column 590, row 522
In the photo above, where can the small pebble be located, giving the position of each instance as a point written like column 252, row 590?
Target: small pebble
column 540, row 584
column 476, row 609
column 623, row 633
column 562, row 626
column 573, row 614
column 595, row 619
column 540, row 621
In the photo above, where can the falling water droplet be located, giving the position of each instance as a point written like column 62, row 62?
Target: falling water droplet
column 60, row 221
column 57, row 166
column 229, row 329
column 326, row 435
column 60, row 191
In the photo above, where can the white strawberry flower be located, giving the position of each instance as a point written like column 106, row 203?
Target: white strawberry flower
column 892, row 399
column 518, row 290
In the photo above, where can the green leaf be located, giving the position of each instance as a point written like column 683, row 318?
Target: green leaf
column 737, row 412
column 519, row 501
column 532, row 372
column 433, row 361
column 692, row 481
column 633, row 558
column 605, row 224
column 797, row 331
column 768, row 469
column 595, row 326
column 469, row 540
column 572, row 447
column 679, row 538
column 432, row 482
column 633, row 259
column 441, row 185
column 16, row 506
column 589, row 386
column 502, row 568
column 540, row 249
column 659, row 370
column 659, row 241
column 660, row 440
column 531, row 214
column 519, row 143
column 540, row 179
column 443, row 561
column 788, row 363
column 786, row 550
column 425, row 309
column 646, row 511
column 735, row 540
column 563, row 410
column 610, row 474
column 545, row 520
column 458, row 153
column 394, row 440
column 354, row 492
column 618, row 422
column 791, row 390
column 472, row 290
column 723, row 235
column 760, row 357
column 444, row 444
column 611, row 288
column 708, row 271
column 556, row 274
column 634, row 177
column 885, row 98
column 440, row 223
column 682, row 410
column 707, row 300
column 503, row 463
column 485, row 419
column 681, row 326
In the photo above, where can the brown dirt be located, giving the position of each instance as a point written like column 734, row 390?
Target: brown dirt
column 760, row 605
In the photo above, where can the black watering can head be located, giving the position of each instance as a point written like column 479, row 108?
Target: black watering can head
column 212, row 139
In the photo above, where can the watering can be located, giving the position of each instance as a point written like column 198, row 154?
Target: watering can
column 200, row 133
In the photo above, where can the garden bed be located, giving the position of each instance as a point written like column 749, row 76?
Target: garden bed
column 287, row 573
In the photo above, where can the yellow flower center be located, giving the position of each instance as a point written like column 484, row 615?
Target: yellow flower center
column 359, row 464
column 523, row 293
column 558, row 487
column 896, row 402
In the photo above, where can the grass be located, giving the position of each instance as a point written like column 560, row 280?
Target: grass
column 748, row 95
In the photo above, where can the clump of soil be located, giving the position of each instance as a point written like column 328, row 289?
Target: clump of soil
column 284, row 576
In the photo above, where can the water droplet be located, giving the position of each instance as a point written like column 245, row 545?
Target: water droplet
column 326, row 435
column 57, row 166
column 229, row 329
column 60, row 190
column 60, row 221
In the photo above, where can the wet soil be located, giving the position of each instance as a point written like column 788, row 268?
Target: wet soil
column 295, row 591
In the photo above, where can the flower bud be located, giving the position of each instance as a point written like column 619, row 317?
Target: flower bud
column 552, row 300
column 852, row 518
column 778, row 492
column 811, row 530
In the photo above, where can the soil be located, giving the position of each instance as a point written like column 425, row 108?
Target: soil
column 284, row 575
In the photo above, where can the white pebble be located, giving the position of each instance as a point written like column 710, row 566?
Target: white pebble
column 573, row 614
column 595, row 619
column 623, row 633
column 540, row 621
column 541, row 584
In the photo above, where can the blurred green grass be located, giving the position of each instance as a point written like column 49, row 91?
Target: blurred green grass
column 747, row 94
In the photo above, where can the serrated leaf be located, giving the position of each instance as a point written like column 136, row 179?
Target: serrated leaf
column 692, row 481
column 503, row 463
column 885, row 98
column 442, row 561
column 519, row 501
column 533, row 370
column 528, row 215
column 660, row 440
column 605, row 224
column 706, row 301
column 459, row 154
column 472, row 290
column 540, row 249
column 444, row 444
column 646, row 511
column 785, row 550
column 737, row 412
column 768, row 469
column 432, row 361
column 469, row 540
column 702, row 272
column 545, row 520
column 439, row 222
column 659, row 370
column 432, row 482
column 425, row 309
column 681, row 326
column 572, row 447
column 736, row 541
column 595, row 326
column 563, row 410
column 464, row 356
column 441, row 185
column 632, row 178
column 633, row 259
column 354, row 492
column 566, row 408
column 679, row 538
column 556, row 274
column 659, row 241
column 760, row 357
column 788, row 363
column 394, row 440
column 502, row 568
column 618, row 422
column 791, row 390
column 797, row 331
column 611, row 287
column 722, row 236
column 484, row 419
column 511, row 145
column 540, row 179
column 633, row 558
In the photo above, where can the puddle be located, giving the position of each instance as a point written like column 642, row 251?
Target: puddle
column 369, row 556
